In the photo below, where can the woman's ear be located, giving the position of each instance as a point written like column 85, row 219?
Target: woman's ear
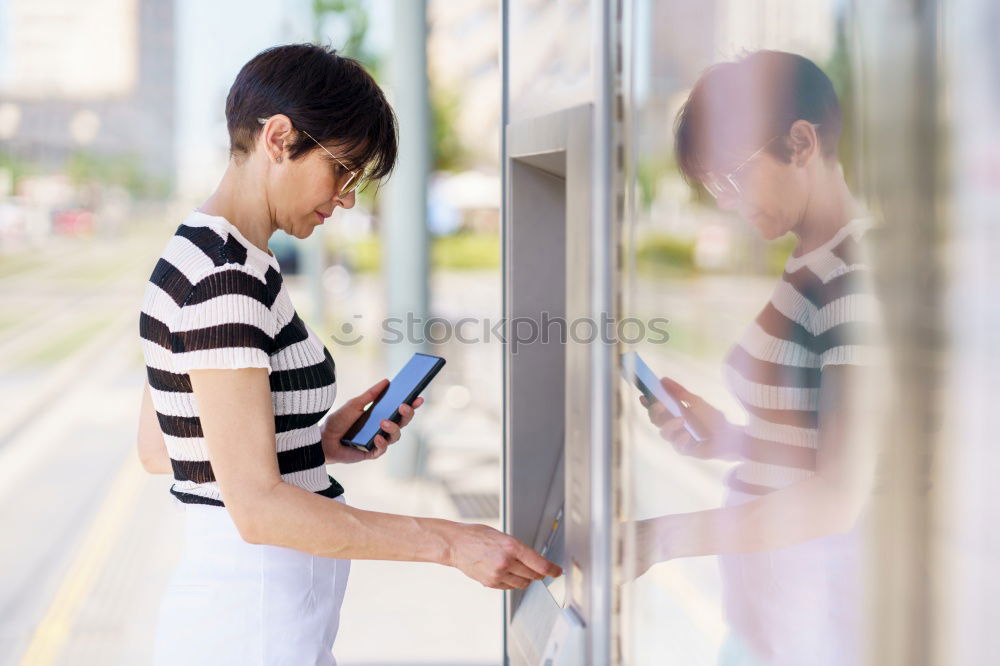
column 804, row 141
column 277, row 132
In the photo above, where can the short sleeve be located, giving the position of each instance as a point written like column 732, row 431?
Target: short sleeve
column 847, row 324
column 224, row 322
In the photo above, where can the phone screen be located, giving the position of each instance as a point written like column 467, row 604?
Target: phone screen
column 635, row 370
column 404, row 387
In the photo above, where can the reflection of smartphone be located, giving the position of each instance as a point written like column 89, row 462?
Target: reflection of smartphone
column 635, row 370
column 404, row 387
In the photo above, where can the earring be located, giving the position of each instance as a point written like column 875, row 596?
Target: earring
column 278, row 158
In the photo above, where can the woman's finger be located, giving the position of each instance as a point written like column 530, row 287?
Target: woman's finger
column 671, row 428
column 380, row 446
column 676, row 388
column 536, row 562
column 405, row 414
column 391, row 429
column 682, row 442
column 520, row 569
column 658, row 414
column 370, row 395
column 519, row 582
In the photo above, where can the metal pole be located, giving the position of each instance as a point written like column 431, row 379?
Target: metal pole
column 602, row 246
column 405, row 260
column 312, row 251
column 902, row 111
column 504, row 230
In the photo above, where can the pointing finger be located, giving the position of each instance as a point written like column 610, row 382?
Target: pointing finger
column 536, row 562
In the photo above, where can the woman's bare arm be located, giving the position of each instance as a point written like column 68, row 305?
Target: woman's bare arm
column 151, row 447
column 828, row 502
column 237, row 420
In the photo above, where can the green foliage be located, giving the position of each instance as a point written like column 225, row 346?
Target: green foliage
column 838, row 68
column 464, row 250
column 669, row 254
column 448, row 153
column 125, row 170
column 648, row 173
column 458, row 251
column 17, row 166
column 365, row 254
column 354, row 14
column 660, row 252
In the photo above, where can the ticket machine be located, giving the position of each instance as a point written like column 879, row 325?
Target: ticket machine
column 554, row 490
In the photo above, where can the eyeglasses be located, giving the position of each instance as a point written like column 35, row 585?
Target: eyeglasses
column 726, row 184
column 355, row 176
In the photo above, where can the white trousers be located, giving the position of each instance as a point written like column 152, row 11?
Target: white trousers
column 796, row 605
column 233, row 602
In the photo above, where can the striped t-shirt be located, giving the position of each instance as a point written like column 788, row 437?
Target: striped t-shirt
column 823, row 311
column 216, row 300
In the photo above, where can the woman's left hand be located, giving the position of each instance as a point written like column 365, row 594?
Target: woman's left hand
column 653, row 539
column 337, row 423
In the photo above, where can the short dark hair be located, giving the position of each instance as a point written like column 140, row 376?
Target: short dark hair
column 751, row 100
column 328, row 95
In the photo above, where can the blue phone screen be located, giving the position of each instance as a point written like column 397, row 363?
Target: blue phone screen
column 634, row 368
column 400, row 387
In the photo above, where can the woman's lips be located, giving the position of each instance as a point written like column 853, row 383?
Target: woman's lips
column 320, row 216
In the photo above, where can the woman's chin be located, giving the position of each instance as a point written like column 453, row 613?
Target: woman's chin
column 767, row 230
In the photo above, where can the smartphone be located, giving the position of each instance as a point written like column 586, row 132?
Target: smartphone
column 403, row 388
column 635, row 371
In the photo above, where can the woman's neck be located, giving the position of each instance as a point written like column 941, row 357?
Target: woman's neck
column 831, row 206
column 242, row 200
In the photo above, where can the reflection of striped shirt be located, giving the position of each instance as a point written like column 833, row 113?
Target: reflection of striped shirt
column 822, row 312
column 215, row 300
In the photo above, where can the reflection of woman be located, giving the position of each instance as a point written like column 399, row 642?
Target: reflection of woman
column 239, row 387
column 761, row 136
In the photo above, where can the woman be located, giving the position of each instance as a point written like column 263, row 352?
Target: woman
column 787, row 534
column 238, row 387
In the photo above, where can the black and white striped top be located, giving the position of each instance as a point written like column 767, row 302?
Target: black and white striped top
column 823, row 311
column 215, row 300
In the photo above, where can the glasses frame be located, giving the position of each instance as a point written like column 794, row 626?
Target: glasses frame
column 715, row 186
column 355, row 176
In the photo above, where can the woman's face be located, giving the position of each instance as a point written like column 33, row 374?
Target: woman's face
column 773, row 194
column 302, row 192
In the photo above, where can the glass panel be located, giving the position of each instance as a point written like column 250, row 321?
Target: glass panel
column 969, row 537
column 746, row 545
column 548, row 70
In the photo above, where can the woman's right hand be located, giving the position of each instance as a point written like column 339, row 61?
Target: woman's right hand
column 496, row 559
column 722, row 437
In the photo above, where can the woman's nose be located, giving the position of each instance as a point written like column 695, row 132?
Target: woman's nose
column 345, row 200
